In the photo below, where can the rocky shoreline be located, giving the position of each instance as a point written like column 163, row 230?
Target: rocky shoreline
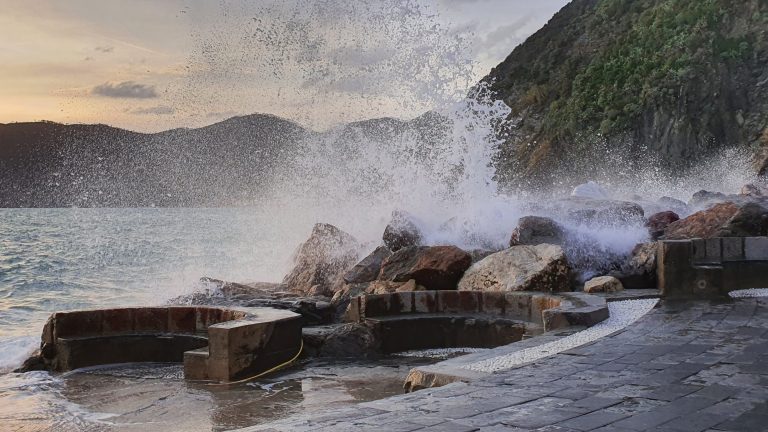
column 548, row 253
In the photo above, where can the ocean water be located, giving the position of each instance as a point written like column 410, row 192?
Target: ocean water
column 62, row 259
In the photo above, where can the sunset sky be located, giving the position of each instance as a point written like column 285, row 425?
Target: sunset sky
column 151, row 65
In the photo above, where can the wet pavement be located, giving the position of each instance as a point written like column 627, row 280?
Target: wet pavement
column 685, row 366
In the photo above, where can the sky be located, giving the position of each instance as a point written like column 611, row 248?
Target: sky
column 151, row 65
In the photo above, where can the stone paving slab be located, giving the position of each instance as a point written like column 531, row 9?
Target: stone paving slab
column 686, row 366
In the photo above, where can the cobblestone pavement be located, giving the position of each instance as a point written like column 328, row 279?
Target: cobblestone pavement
column 693, row 366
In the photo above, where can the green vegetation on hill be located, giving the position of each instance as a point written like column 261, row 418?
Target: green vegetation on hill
column 680, row 77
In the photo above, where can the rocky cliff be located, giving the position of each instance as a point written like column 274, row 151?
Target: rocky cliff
column 664, row 81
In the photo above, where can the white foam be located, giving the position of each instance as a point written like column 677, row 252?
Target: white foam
column 14, row 350
column 622, row 314
column 749, row 293
column 440, row 353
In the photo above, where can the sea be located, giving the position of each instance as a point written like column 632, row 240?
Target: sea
column 65, row 259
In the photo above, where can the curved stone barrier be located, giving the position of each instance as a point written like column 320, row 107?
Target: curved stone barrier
column 711, row 268
column 215, row 343
column 552, row 311
column 442, row 319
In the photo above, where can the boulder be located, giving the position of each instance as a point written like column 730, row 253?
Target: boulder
column 520, row 268
column 533, row 230
column 401, row 232
column 677, row 206
column 754, row 190
column 658, row 222
column 705, row 198
column 639, row 270
column 435, row 268
column 603, row 284
column 750, row 221
column 368, row 269
column 590, row 189
column 721, row 220
column 321, row 261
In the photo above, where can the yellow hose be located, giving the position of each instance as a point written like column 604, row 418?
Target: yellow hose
column 280, row 366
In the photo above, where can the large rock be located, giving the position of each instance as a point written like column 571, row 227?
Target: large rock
column 321, row 261
column 705, row 198
column 721, row 220
column 401, row 232
column 533, row 230
column 639, row 270
column 603, row 284
column 520, row 268
column 754, row 190
column 368, row 269
column 658, row 222
column 592, row 211
column 435, row 268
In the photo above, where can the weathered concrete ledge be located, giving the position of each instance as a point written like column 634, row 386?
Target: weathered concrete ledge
column 222, row 344
column 711, row 268
column 551, row 311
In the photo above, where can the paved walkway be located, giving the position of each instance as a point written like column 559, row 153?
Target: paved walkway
column 683, row 367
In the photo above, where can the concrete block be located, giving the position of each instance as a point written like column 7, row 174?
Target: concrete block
column 518, row 306
column 733, row 249
column 673, row 266
column 150, row 320
column 714, row 250
column 374, row 305
column 698, row 250
column 756, row 248
column 494, row 302
column 181, row 319
column 77, row 323
column 425, row 302
column 400, row 303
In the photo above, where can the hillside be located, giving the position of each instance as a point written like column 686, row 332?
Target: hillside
column 612, row 82
column 232, row 163
column 46, row 164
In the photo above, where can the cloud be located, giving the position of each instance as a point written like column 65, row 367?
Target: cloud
column 104, row 49
column 155, row 110
column 126, row 89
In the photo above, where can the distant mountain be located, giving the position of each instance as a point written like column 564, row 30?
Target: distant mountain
column 607, row 84
column 48, row 164
column 230, row 163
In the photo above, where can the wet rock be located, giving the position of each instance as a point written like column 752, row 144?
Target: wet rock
column 35, row 362
column 435, row 268
column 754, row 190
column 533, row 230
column 590, row 190
column 639, row 270
column 673, row 204
column 750, row 221
column 705, row 198
column 520, row 268
column 658, row 222
column 721, row 220
column 603, row 284
column 401, row 232
column 321, row 261
column 368, row 269
column 478, row 254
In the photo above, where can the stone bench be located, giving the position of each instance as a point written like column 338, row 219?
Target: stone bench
column 711, row 268
column 470, row 318
column 214, row 343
